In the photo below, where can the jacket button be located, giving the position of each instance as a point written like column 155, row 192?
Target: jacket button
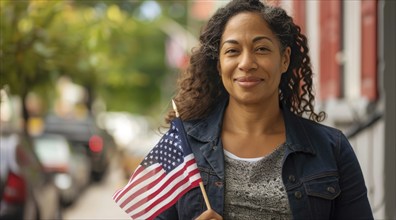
column 298, row 195
column 330, row 189
column 292, row 179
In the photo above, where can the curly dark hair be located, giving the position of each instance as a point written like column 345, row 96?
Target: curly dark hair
column 200, row 87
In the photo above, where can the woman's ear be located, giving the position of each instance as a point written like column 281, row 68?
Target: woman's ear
column 218, row 67
column 286, row 59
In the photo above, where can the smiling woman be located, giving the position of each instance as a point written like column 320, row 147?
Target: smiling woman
column 242, row 100
column 251, row 61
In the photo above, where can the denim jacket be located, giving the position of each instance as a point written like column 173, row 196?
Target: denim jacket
column 320, row 171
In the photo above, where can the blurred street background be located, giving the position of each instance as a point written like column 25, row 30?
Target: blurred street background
column 96, row 202
column 85, row 86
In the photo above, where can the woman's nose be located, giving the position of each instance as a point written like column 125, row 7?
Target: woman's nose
column 247, row 62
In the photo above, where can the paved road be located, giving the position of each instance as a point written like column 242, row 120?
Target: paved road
column 96, row 201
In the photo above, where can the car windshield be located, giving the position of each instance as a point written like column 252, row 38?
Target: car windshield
column 72, row 129
column 52, row 151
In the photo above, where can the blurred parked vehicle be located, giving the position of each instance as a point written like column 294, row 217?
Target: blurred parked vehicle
column 135, row 135
column 26, row 191
column 69, row 165
column 84, row 133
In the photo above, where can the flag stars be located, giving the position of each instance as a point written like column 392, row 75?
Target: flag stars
column 169, row 152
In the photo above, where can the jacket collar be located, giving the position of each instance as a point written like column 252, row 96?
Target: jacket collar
column 297, row 137
column 209, row 129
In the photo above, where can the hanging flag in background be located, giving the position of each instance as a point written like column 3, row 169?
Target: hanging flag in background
column 166, row 174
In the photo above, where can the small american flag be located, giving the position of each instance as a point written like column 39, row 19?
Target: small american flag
column 166, row 173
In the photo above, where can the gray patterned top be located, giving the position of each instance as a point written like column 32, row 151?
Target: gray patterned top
column 254, row 189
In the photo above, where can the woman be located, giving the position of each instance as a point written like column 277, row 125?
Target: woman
column 242, row 101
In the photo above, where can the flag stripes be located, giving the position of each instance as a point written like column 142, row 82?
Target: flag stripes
column 150, row 189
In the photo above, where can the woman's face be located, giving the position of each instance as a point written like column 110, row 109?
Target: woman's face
column 250, row 60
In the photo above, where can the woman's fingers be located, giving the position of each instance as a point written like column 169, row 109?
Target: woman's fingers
column 209, row 214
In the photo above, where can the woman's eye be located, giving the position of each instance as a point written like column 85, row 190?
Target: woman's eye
column 262, row 49
column 231, row 51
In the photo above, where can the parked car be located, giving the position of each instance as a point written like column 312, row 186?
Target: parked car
column 84, row 132
column 69, row 165
column 26, row 190
column 134, row 134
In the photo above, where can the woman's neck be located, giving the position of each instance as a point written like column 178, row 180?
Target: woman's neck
column 253, row 119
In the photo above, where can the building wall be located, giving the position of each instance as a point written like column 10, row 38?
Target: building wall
column 387, row 33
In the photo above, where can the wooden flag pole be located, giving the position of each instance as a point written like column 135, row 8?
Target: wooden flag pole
column 201, row 185
column 175, row 108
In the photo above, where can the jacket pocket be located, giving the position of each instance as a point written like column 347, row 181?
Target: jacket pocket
column 326, row 188
column 322, row 193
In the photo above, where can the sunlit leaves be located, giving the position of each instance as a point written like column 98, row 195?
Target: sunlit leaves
column 99, row 44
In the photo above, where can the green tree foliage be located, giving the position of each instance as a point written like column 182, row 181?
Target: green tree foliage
column 25, row 46
column 102, row 46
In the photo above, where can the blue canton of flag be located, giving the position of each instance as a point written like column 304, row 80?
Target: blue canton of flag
column 168, row 152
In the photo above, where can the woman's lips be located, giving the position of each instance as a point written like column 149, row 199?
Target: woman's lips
column 248, row 81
